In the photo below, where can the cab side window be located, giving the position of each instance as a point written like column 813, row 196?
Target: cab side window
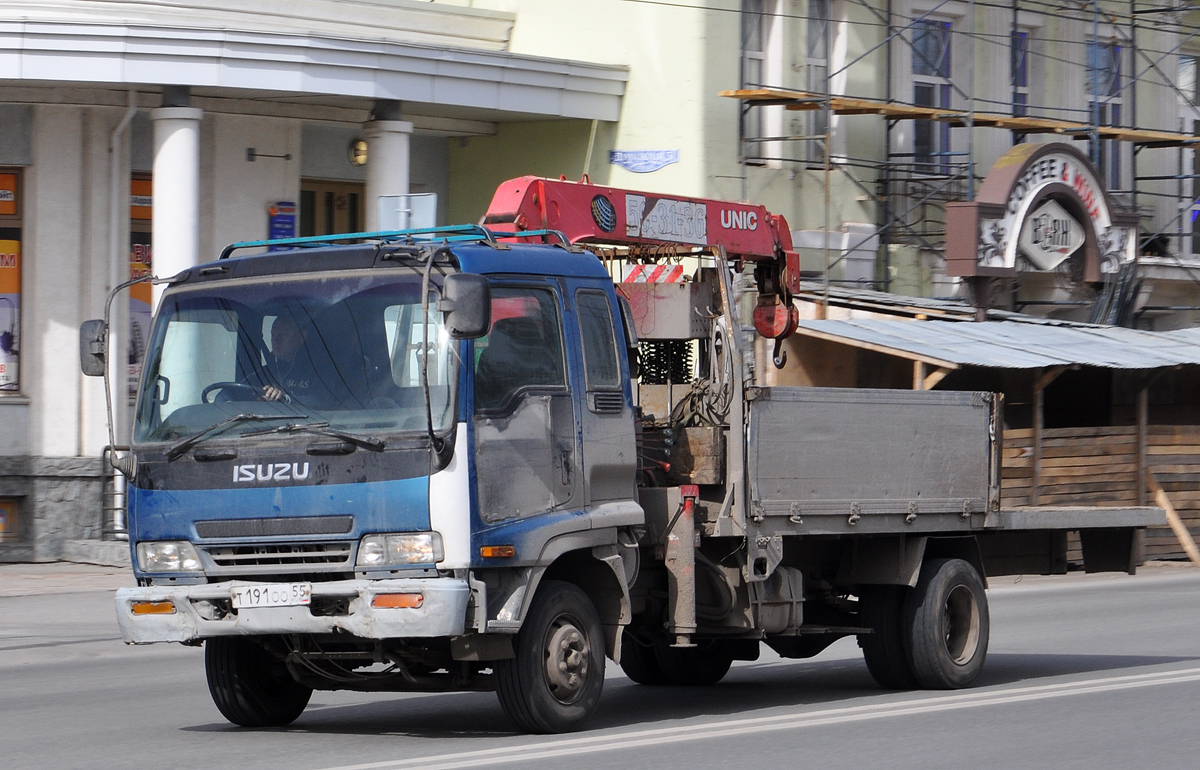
column 599, row 345
column 522, row 351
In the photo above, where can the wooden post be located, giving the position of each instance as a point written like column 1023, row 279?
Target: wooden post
column 1177, row 526
column 1040, row 383
column 1035, row 483
column 1143, row 430
column 923, row 379
column 934, row 377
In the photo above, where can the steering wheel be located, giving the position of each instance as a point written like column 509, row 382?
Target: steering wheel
column 251, row 393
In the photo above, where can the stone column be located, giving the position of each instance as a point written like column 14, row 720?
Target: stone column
column 387, row 157
column 176, row 221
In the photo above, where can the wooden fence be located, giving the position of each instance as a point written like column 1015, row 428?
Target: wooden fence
column 1099, row 466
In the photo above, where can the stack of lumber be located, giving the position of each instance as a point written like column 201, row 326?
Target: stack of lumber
column 1080, row 466
column 1098, row 466
column 1173, row 453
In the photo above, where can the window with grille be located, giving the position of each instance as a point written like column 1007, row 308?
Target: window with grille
column 1019, row 74
column 1189, row 160
column 816, row 62
column 1104, row 93
column 931, row 88
column 758, row 62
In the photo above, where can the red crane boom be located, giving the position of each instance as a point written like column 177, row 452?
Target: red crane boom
column 593, row 214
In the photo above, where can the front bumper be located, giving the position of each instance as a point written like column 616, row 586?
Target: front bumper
column 442, row 613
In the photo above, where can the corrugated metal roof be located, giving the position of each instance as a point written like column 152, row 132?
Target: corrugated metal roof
column 1185, row 335
column 1015, row 345
column 901, row 305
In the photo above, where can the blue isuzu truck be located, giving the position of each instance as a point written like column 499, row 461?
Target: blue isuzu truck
column 434, row 460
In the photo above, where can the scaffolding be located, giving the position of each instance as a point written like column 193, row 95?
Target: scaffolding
column 910, row 190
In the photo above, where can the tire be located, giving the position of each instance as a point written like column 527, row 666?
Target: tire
column 946, row 615
column 881, row 608
column 639, row 661
column 699, row 666
column 553, row 684
column 249, row 686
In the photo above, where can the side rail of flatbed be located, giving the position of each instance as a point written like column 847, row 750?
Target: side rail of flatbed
column 839, row 461
column 898, row 464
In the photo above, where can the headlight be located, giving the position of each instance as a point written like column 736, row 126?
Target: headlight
column 168, row 556
column 400, row 549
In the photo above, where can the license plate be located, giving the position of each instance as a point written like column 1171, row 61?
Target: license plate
column 272, row 595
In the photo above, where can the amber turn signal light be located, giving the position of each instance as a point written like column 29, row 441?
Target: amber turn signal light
column 398, row 601
column 497, row 551
column 153, row 608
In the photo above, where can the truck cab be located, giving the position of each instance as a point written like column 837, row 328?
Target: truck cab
column 327, row 473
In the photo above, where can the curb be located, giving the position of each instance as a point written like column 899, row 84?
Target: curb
column 106, row 553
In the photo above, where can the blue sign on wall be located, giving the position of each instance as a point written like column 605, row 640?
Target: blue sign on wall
column 643, row 161
column 281, row 221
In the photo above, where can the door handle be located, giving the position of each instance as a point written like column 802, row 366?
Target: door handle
column 566, row 457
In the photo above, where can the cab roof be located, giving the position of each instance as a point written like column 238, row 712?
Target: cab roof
column 485, row 258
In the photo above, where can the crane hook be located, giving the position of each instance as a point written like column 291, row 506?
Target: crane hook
column 780, row 356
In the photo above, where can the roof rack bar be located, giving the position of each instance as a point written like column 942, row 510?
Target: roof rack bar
column 559, row 234
column 452, row 232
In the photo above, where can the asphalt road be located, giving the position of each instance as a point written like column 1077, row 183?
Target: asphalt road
column 1083, row 671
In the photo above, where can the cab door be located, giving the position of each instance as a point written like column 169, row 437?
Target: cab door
column 609, row 445
column 526, row 439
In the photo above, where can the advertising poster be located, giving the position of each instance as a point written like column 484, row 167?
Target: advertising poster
column 10, row 307
column 140, row 303
column 141, row 211
column 8, row 520
column 281, row 222
column 141, row 199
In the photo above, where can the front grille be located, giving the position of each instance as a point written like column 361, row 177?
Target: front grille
column 280, row 557
column 274, row 527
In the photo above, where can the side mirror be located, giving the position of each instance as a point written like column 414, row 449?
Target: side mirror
column 93, row 337
column 467, row 303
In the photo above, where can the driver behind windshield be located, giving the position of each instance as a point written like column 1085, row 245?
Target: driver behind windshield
column 290, row 366
column 286, row 341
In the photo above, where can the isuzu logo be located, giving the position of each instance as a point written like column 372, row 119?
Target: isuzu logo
column 270, row 472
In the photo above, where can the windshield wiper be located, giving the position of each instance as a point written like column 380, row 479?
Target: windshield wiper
column 184, row 445
column 366, row 442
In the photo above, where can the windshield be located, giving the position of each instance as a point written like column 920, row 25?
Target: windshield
column 342, row 349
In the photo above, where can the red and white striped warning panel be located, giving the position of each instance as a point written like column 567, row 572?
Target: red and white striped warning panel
column 653, row 274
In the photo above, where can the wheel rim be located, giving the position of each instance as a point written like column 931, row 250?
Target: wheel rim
column 961, row 618
column 567, row 659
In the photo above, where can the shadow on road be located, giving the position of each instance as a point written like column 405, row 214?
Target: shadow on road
column 747, row 688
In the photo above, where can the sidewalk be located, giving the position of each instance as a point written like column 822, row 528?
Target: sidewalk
column 60, row 578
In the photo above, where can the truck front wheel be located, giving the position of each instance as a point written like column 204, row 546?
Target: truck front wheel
column 554, row 682
column 946, row 616
column 250, row 687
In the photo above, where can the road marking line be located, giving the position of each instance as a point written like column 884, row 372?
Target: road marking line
column 657, row 736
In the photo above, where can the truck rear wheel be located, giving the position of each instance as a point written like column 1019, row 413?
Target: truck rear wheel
column 881, row 608
column 554, row 682
column 250, row 687
column 705, row 664
column 639, row 661
column 946, row 615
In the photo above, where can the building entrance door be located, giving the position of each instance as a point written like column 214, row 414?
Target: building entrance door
column 331, row 208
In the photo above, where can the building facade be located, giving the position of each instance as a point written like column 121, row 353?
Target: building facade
column 1102, row 77
column 142, row 137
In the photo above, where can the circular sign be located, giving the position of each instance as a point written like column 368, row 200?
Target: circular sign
column 604, row 214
